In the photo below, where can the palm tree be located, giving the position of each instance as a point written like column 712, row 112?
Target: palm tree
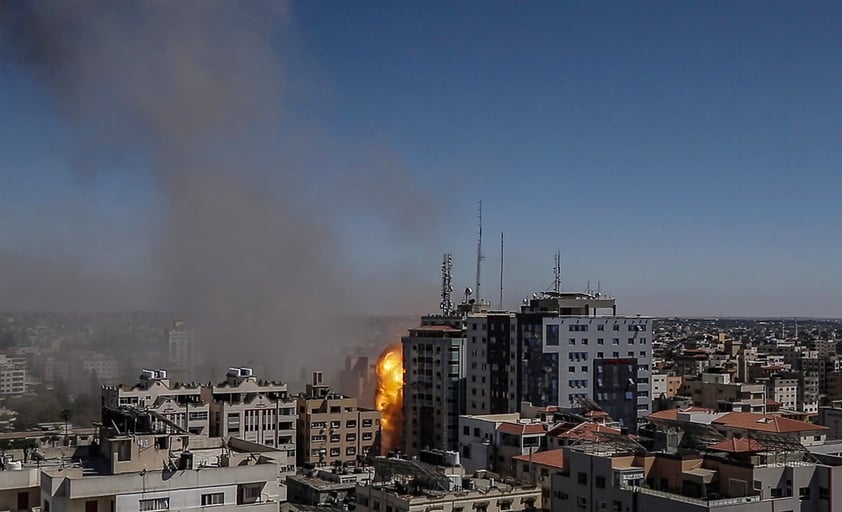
column 65, row 416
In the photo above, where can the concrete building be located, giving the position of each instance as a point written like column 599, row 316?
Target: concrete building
column 185, row 405
column 334, row 488
column 490, row 370
column 784, row 391
column 717, row 391
column 12, row 375
column 255, row 410
column 333, row 430
column 478, row 439
column 242, row 406
column 139, row 468
column 538, row 468
column 731, row 475
column 555, row 351
column 434, row 384
column 831, row 417
column 409, row 486
column 181, row 350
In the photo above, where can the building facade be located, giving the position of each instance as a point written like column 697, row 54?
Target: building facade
column 333, row 430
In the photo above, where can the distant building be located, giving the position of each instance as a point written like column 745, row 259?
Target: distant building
column 333, row 430
column 12, row 375
column 181, row 350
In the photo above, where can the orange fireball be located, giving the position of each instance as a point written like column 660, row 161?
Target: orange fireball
column 389, row 397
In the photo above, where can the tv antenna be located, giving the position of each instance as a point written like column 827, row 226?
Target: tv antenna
column 480, row 256
column 446, row 304
column 557, row 272
column 501, row 271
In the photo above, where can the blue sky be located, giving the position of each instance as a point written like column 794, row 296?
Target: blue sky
column 686, row 154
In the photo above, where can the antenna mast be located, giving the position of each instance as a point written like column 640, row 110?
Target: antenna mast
column 446, row 304
column 480, row 256
column 501, row 271
column 557, row 272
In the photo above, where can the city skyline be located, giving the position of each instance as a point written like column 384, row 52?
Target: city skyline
column 684, row 156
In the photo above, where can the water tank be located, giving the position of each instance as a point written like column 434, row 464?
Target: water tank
column 147, row 374
column 246, row 372
column 186, row 460
column 15, row 465
column 451, row 459
column 233, row 372
column 161, row 374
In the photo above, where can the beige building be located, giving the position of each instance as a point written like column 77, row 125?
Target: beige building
column 333, row 429
column 716, row 391
column 140, row 470
column 12, row 375
column 186, row 405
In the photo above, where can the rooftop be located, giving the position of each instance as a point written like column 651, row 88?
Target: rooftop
column 551, row 458
column 765, row 423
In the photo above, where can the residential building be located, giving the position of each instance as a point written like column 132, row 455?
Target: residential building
column 141, row 468
column 478, row 439
column 181, row 350
column 717, row 391
column 407, row 486
column 333, row 430
column 12, row 375
column 831, row 417
column 185, row 405
column 434, row 384
column 255, row 410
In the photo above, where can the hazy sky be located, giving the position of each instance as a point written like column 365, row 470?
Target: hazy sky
column 688, row 155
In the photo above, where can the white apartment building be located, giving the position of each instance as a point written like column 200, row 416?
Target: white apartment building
column 157, row 473
column 606, row 359
column 12, row 375
column 478, row 437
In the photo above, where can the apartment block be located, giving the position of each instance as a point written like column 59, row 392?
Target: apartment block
column 140, row 468
column 333, row 430
column 434, row 384
column 12, row 375
column 716, row 391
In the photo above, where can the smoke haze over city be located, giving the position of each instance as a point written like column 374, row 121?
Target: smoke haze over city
column 263, row 166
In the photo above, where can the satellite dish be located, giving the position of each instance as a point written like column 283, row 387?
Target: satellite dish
column 469, row 291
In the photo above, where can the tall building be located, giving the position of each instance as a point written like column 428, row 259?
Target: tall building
column 181, row 350
column 433, row 389
column 558, row 350
column 333, row 430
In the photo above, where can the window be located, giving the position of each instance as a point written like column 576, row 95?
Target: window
column 571, row 341
column 600, row 327
column 90, row 506
column 824, row 493
column 615, row 341
column 582, row 478
column 466, row 431
column 351, row 450
column 600, row 341
column 154, row 504
column 582, row 502
column 552, row 334
column 214, row 498
column 599, row 481
column 616, row 327
column 803, row 493
column 571, row 369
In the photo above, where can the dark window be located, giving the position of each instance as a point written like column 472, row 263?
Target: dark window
column 582, row 478
column 599, row 481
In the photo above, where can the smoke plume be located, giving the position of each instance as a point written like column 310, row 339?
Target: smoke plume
column 249, row 205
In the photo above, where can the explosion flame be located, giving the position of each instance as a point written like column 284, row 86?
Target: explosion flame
column 389, row 397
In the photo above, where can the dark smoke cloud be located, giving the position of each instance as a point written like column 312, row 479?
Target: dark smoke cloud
column 247, row 238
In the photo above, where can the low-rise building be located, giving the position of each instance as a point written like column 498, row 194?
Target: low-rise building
column 333, row 430
column 409, row 486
